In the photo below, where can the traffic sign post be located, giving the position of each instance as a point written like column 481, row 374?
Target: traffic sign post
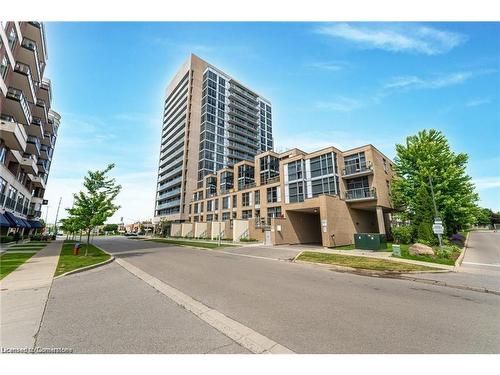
column 438, row 229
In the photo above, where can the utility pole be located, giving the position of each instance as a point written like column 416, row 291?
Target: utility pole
column 435, row 210
column 57, row 214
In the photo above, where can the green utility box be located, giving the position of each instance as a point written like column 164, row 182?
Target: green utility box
column 370, row 241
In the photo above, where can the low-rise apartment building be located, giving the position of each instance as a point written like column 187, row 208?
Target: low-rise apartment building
column 28, row 125
column 295, row 197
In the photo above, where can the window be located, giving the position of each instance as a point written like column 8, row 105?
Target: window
column 225, row 203
column 247, row 214
column 3, row 153
column 269, row 168
column 257, row 197
column 325, row 185
column 322, row 165
column 274, row 212
column 245, row 176
column 210, row 217
column 245, row 200
column 295, row 170
column 296, row 192
column 225, row 216
column 12, row 37
column 388, row 186
column 216, row 207
column 355, row 163
column 210, row 206
column 385, row 165
column 272, row 194
column 4, row 66
column 235, row 201
column 357, row 183
column 226, row 181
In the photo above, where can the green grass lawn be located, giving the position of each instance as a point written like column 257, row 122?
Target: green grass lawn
column 405, row 254
column 207, row 245
column 364, row 263
column 9, row 262
column 69, row 262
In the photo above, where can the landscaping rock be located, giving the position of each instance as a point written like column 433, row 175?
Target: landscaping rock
column 420, row 249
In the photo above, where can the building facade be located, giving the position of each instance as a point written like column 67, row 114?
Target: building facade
column 211, row 122
column 28, row 125
column 295, row 197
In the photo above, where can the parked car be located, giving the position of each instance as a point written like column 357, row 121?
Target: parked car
column 130, row 234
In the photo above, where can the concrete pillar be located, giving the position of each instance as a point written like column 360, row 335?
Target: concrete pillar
column 380, row 220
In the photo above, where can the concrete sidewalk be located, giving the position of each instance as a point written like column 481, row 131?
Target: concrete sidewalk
column 23, row 295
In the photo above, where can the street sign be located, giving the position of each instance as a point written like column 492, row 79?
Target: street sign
column 438, row 229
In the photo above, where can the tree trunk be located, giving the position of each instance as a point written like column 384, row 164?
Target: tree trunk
column 88, row 242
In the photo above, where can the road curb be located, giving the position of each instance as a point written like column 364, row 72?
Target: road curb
column 445, row 284
column 92, row 266
column 460, row 259
column 86, row 268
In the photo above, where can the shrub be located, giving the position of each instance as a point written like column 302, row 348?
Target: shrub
column 457, row 239
column 447, row 251
column 5, row 239
column 246, row 239
column 402, row 235
column 425, row 234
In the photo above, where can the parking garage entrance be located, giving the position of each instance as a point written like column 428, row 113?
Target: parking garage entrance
column 305, row 225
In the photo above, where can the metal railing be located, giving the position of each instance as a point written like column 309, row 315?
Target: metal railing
column 355, row 169
column 18, row 95
column 361, row 193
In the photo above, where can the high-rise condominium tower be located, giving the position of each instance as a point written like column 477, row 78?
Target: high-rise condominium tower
column 28, row 125
column 210, row 122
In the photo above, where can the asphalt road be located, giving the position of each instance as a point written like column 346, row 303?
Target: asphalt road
column 109, row 310
column 483, row 252
column 306, row 308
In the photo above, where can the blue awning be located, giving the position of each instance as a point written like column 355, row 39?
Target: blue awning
column 15, row 221
column 4, row 223
column 26, row 223
column 35, row 224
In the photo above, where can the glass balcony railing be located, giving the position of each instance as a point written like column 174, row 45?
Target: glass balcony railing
column 18, row 95
column 360, row 194
column 357, row 168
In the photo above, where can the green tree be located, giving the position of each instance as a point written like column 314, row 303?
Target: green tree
column 423, row 217
column 484, row 216
column 427, row 156
column 110, row 228
column 94, row 205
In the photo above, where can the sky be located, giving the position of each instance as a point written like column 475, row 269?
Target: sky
column 341, row 84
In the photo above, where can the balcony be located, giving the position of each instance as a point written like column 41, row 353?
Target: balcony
column 47, row 140
column 23, row 80
column 17, row 106
column 240, row 147
column 36, row 32
column 29, row 164
column 13, row 134
column 45, row 91
column 170, row 204
column 169, row 194
column 361, row 194
column 33, row 145
column 36, row 129
column 249, row 111
column 29, row 54
column 242, row 95
column 362, row 169
column 40, row 110
column 43, row 166
column 37, row 181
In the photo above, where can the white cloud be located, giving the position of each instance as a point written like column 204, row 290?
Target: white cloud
column 339, row 104
column 487, row 183
column 436, row 82
column 332, row 66
column 396, row 37
column 477, row 101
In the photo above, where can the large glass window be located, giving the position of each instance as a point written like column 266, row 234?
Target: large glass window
column 257, row 197
column 354, row 163
column 269, row 167
column 357, row 183
column 272, row 194
column 226, row 181
column 225, row 203
column 245, row 199
column 235, row 201
column 295, row 170
column 246, row 214
column 245, row 176
column 226, row 216
column 326, row 185
column 321, row 165
column 296, row 192
column 274, row 211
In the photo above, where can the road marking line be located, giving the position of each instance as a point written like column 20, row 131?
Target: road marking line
column 243, row 335
column 482, row 264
